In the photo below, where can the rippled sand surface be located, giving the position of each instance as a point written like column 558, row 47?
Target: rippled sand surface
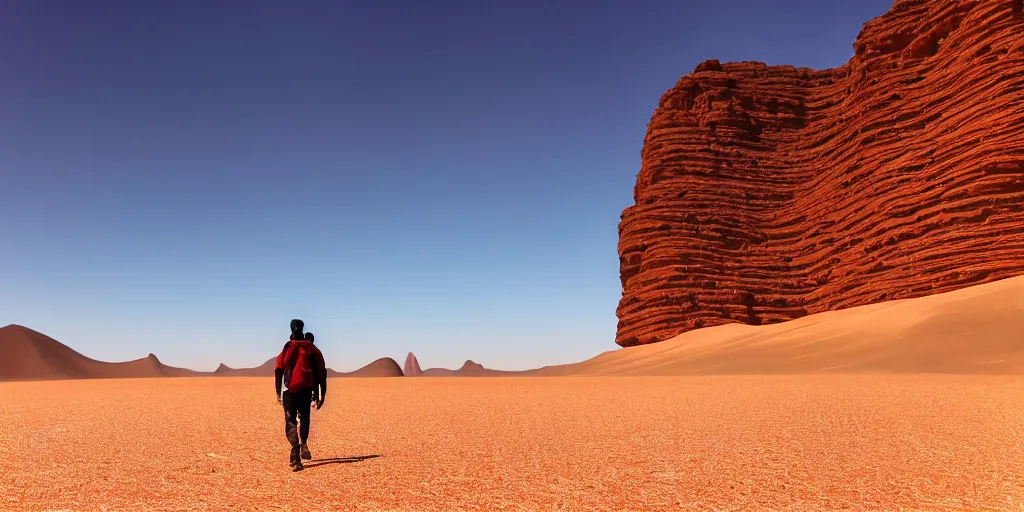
column 865, row 442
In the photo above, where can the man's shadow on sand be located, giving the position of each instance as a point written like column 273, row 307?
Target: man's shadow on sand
column 315, row 463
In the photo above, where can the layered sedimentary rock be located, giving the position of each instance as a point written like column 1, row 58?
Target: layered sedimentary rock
column 412, row 366
column 767, row 193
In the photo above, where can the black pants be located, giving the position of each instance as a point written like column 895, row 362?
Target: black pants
column 296, row 410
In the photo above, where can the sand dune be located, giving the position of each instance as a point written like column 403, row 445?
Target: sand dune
column 29, row 355
column 383, row 367
column 264, row 370
column 472, row 369
column 976, row 330
column 972, row 330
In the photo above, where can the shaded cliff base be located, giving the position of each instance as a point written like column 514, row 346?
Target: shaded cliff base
column 975, row 330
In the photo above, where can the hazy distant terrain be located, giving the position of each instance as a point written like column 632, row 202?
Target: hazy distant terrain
column 972, row 330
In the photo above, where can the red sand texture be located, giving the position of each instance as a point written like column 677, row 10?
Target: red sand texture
column 563, row 443
column 770, row 192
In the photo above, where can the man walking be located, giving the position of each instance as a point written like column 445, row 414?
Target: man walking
column 300, row 378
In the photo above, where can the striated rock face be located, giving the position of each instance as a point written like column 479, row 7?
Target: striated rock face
column 768, row 193
column 412, row 366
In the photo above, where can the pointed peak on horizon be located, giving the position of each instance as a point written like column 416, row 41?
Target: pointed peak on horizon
column 471, row 364
column 412, row 366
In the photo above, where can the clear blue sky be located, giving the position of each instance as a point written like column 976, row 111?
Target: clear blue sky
column 442, row 177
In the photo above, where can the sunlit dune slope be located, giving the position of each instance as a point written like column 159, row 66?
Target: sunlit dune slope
column 972, row 330
column 28, row 355
column 383, row 367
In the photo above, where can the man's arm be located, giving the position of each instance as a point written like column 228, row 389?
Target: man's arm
column 279, row 370
column 321, row 368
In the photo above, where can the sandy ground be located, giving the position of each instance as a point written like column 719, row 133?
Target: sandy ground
column 560, row 443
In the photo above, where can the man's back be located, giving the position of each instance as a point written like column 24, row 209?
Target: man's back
column 297, row 354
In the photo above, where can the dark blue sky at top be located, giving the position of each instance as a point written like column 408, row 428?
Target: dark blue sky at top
column 442, row 177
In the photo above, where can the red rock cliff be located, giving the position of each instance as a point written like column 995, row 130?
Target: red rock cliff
column 770, row 192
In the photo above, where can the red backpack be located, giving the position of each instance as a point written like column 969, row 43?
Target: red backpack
column 299, row 373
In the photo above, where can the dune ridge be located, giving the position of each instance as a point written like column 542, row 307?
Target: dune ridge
column 974, row 330
column 767, row 193
column 264, row 370
column 472, row 369
column 383, row 367
column 29, row 355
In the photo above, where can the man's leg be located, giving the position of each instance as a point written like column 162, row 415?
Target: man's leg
column 291, row 411
column 304, row 416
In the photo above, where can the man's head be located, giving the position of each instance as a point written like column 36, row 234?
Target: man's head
column 309, row 337
column 297, row 327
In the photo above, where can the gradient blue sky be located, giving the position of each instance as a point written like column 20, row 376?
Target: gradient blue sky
column 442, row 177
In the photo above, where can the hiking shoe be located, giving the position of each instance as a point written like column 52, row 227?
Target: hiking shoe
column 305, row 453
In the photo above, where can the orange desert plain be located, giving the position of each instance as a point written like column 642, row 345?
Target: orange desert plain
column 905, row 405
column 850, row 442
